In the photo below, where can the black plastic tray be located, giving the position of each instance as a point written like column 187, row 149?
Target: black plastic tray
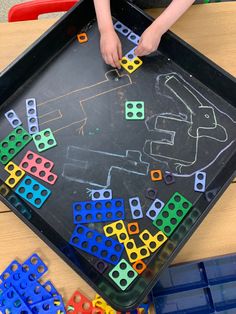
column 57, row 71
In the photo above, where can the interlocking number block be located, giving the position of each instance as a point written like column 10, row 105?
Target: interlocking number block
column 151, row 193
column 155, row 209
column 123, row 274
column 79, row 303
column 33, row 125
column 39, row 167
column 16, row 174
column 200, row 181
column 52, row 305
column 31, row 107
column 135, row 207
column 97, row 244
column 101, row 266
column 4, row 190
column 153, row 242
column 33, row 192
column 133, row 228
column 139, row 266
column 117, row 228
column 13, row 144
column 134, row 38
column 105, row 194
column 169, row 178
column 13, row 118
column 11, row 302
column 98, row 211
column 131, row 66
column 134, row 110
column 131, row 54
column 50, row 288
column 172, row 214
column 135, row 253
column 44, row 140
column 121, row 28
column 156, row 175
column 82, row 38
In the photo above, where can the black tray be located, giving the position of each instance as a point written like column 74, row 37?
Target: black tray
column 200, row 100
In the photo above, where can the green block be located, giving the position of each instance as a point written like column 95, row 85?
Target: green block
column 172, row 214
column 44, row 140
column 13, row 144
column 134, row 110
column 123, row 274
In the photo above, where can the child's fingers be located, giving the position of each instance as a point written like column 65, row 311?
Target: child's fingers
column 116, row 60
column 120, row 51
column 111, row 61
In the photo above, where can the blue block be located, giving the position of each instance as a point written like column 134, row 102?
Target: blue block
column 32, row 191
column 53, row 305
column 32, row 291
column 97, row 244
column 11, row 301
column 99, row 211
column 50, row 288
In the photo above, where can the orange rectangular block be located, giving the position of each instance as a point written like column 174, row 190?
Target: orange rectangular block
column 156, row 175
column 82, row 38
column 133, row 228
column 139, row 266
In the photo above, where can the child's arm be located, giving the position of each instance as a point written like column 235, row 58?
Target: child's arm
column 151, row 37
column 110, row 44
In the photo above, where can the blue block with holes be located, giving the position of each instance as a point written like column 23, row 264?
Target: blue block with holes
column 52, row 305
column 11, row 302
column 50, row 288
column 32, row 291
column 97, row 244
column 32, row 191
column 99, row 211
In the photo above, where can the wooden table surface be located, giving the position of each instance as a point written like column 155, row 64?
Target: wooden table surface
column 209, row 28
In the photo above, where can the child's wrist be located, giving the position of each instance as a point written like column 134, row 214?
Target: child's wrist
column 159, row 27
column 106, row 29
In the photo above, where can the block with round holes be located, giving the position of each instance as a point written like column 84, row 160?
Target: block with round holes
column 156, row 175
column 123, row 274
column 133, row 228
column 104, row 194
column 13, row 119
column 4, row 190
column 13, row 144
column 82, row 38
column 50, row 288
column 97, row 244
column 135, row 253
column 101, row 266
column 12, row 302
column 44, row 140
column 52, row 305
column 151, row 193
column 39, row 167
column 134, row 38
column 16, row 174
column 121, row 28
column 31, row 107
column 33, row 192
column 200, row 181
column 135, row 207
column 139, row 266
column 33, row 124
column 153, row 242
column 117, row 228
column 99, row 211
column 134, row 110
column 131, row 66
column 131, row 54
column 172, row 214
column 169, row 178
column 155, row 209
column 79, row 303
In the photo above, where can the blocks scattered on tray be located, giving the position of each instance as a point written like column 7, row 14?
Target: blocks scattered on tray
column 16, row 174
column 44, row 140
column 155, row 209
column 82, row 38
column 135, row 253
column 13, row 119
column 153, row 242
column 200, row 181
column 134, row 110
column 121, row 28
column 135, row 207
column 117, row 228
column 131, row 66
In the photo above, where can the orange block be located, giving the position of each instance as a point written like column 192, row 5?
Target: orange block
column 82, row 38
column 139, row 266
column 156, row 175
column 133, row 228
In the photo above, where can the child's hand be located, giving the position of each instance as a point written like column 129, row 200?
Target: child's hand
column 149, row 42
column 111, row 48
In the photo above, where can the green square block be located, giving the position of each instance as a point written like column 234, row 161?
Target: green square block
column 134, row 110
column 13, row 144
column 172, row 214
column 123, row 274
column 44, row 140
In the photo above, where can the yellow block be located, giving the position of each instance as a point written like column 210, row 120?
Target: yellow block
column 153, row 242
column 135, row 253
column 131, row 66
column 16, row 174
column 117, row 228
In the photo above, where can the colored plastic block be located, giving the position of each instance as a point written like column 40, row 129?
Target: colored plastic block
column 31, row 107
column 133, row 228
column 9, row 274
column 169, row 178
column 98, row 211
column 13, row 119
column 44, row 140
column 135, row 253
column 79, row 303
column 156, row 175
column 4, row 190
column 131, row 66
column 33, row 125
column 39, row 167
column 50, row 288
column 13, row 144
column 53, row 305
column 134, row 38
column 172, row 214
column 82, row 38
column 200, row 181
column 121, row 28
column 123, row 274
column 101, row 266
column 155, row 209
column 117, row 228
column 134, row 110
column 16, row 174
column 151, row 193
column 139, row 266
column 11, row 302
column 31, row 291
column 20, row 206
column 135, row 207
column 99, row 195
column 97, row 244
column 153, row 242
column 131, row 54
column 33, row 192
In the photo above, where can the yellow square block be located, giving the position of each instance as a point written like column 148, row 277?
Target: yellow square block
column 117, row 228
column 153, row 242
column 135, row 253
column 16, row 174
column 131, row 66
